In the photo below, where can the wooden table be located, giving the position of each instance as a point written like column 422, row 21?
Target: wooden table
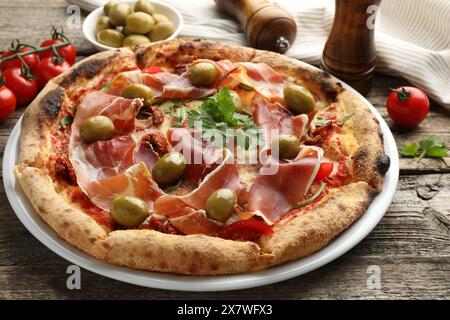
column 411, row 245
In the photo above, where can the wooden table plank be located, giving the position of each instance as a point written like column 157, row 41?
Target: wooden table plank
column 411, row 244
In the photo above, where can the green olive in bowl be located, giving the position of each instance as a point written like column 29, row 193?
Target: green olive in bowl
column 137, row 90
column 107, row 7
column 118, row 14
column 169, row 168
column 220, row 204
column 160, row 18
column 96, row 128
column 203, row 74
column 135, row 40
column 140, row 23
column 144, row 6
column 111, row 38
column 299, row 99
column 103, row 24
column 161, row 31
column 129, row 211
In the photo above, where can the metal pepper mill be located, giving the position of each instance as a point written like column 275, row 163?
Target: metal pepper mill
column 349, row 53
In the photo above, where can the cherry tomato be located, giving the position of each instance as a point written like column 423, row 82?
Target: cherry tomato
column 24, row 89
column 325, row 170
column 69, row 52
column 49, row 69
column 408, row 106
column 152, row 70
column 7, row 102
column 245, row 230
column 31, row 60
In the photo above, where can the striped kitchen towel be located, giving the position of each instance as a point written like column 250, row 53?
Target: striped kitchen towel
column 412, row 36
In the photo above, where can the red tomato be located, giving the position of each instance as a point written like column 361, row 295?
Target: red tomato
column 69, row 52
column 325, row 170
column 7, row 102
column 245, row 230
column 408, row 106
column 31, row 60
column 49, row 69
column 24, row 89
column 152, row 70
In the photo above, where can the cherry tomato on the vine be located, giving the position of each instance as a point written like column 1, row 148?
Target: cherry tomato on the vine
column 69, row 52
column 7, row 102
column 31, row 60
column 50, row 68
column 25, row 89
column 408, row 106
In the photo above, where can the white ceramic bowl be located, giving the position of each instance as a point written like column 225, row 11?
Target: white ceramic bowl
column 91, row 20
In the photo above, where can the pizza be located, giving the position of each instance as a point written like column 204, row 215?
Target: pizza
column 200, row 158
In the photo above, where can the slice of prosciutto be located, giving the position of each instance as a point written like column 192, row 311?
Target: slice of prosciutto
column 273, row 195
column 201, row 158
column 169, row 85
column 258, row 77
column 119, row 166
column 196, row 222
column 225, row 175
column 273, row 119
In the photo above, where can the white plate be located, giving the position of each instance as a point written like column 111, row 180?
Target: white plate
column 347, row 240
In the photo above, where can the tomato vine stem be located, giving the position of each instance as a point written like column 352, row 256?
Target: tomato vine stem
column 35, row 50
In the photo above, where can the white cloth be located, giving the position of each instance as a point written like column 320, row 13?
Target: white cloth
column 412, row 36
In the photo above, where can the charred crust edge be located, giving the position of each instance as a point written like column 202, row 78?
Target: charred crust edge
column 383, row 163
column 51, row 103
column 329, row 87
column 87, row 70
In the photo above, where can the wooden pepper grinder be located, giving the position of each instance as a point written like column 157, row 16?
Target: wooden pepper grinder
column 349, row 53
column 266, row 25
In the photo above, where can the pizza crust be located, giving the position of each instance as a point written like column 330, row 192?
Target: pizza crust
column 293, row 238
column 305, row 234
column 192, row 254
column 369, row 162
column 197, row 254
column 69, row 223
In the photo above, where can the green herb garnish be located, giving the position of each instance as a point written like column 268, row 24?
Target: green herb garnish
column 169, row 108
column 66, row 121
column 106, row 86
column 429, row 147
column 346, row 118
column 180, row 116
column 320, row 122
column 218, row 118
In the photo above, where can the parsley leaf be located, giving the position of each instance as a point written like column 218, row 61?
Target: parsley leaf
column 428, row 147
column 220, row 123
column 180, row 116
column 170, row 106
column 409, row 150
column 433, row 147
column 225, row 105
column 66, row 121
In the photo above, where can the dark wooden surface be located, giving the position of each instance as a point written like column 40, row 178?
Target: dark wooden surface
column 411, row 244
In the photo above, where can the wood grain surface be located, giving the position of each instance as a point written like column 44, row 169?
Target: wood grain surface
column 410, row 246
